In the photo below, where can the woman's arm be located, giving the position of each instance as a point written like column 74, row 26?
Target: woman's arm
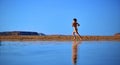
column 78, row 24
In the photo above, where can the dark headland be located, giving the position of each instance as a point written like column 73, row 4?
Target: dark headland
column 35, row 36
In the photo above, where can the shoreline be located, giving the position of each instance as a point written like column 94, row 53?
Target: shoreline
column 57, row 38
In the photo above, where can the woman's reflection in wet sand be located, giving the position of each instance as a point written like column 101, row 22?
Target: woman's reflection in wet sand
column 0, row 43
column 74, row 51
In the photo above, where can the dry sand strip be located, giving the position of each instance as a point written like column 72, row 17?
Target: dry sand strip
column 58, row 38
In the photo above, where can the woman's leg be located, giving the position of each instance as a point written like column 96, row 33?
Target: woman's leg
column 74, row 35
column 79, row 35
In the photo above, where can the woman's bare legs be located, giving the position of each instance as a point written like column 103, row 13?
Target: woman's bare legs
column 74, row 35
column 77, row 34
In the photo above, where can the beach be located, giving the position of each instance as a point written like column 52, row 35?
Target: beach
column 57, row 38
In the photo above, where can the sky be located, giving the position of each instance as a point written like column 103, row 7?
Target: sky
column 96, row 17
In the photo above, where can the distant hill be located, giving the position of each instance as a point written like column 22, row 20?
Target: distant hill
column 42, row 34
column 117, row 34
column 21, row 33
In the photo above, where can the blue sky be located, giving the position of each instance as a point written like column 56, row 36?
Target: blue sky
column 97, row 17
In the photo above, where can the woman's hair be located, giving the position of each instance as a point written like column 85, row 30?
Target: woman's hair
column 75, row 19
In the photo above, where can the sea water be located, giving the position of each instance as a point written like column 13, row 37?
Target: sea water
column 60, row 53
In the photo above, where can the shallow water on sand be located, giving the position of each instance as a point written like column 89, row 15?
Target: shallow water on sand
column 60, row 53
